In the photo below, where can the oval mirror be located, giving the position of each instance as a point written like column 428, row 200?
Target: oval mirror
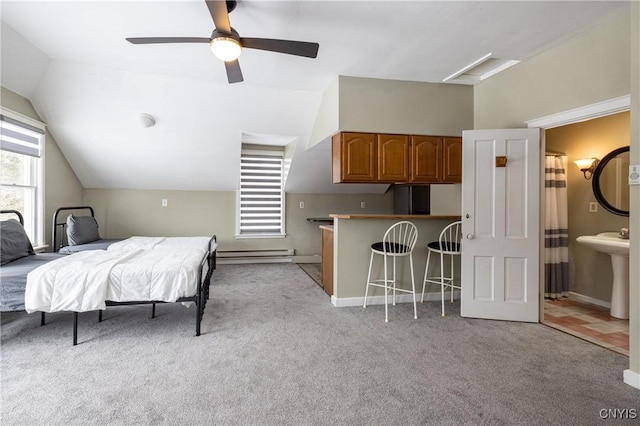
column 610, row 183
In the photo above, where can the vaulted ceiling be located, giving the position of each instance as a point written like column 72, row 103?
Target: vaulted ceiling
column 89, row 85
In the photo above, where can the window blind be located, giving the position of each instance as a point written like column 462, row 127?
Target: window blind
column 261, row 194
column 20, row 138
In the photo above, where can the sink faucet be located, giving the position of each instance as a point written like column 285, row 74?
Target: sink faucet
column 624, row 233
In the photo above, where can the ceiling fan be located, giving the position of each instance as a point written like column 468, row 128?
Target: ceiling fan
column 227, row 44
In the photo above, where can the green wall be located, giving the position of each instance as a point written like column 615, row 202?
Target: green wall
column 61, row 187
column 599, row 65
column 590, row 68
column 123, row 213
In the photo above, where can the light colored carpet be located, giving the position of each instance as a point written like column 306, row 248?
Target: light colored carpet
column 274, row 351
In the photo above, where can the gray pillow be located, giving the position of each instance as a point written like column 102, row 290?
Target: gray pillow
column 14, row 242
column 81, row 230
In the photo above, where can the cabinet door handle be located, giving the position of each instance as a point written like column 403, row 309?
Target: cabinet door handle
column 469, row 236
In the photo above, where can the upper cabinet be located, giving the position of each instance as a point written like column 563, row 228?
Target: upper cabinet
column 426, row 159
column 452, row 159
column 392, row 158
column 354, row 157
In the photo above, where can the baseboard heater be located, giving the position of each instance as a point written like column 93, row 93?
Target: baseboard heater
column 227, row 257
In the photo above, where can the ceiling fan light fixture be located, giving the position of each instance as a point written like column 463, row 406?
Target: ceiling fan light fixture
column 226, row 48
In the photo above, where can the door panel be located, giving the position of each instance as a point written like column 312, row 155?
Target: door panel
column 483, row 278
column 516, row 279
column 500, row 252
column 516, row 189
column 483, row 223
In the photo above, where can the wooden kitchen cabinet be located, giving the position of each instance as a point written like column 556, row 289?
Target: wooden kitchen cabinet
column 393, row 158
column 452, row 148
column 354, row 157
column 326, row 259
column 426, row 159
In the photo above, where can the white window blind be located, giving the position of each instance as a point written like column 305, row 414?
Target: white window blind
column 21, row 173
column 261, row 194
column 20, row 138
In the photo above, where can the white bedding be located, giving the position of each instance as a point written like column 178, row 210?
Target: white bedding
column 143, row 269
column 146, row 243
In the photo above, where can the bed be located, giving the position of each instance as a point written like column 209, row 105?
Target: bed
column 16, row 264
column 76, row 233
column 138, row 270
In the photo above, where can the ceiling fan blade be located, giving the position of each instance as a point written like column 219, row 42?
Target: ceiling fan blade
column 220, row 15
column 157, row 40
column 234, row 73
column 299, row 48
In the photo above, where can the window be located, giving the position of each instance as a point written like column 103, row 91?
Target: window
column 261, row 195
column 21, row 176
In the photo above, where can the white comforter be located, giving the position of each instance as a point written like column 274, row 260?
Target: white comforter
column 147, row 243
column 137, row 269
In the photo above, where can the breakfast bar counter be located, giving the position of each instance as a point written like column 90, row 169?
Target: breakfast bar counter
column 409, row 217
column 353, row 235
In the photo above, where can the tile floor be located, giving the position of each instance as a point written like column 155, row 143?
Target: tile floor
column 589, row 322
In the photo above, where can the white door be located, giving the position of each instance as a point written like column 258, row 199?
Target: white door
column 500, row 224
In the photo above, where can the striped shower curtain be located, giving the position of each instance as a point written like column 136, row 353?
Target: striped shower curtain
column 556, row 233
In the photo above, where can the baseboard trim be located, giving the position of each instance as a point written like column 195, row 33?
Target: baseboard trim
column 632, row 378
column 582, row 298
column 345, row 302
column 245, row 260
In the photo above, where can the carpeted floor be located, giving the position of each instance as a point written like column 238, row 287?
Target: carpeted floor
column 274, row 351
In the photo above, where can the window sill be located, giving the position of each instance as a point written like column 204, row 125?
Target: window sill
column 258, row 236
column 40, row 249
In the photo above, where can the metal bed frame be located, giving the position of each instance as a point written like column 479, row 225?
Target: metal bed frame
column 62, row 226
column 21, row 220
column 200, row 298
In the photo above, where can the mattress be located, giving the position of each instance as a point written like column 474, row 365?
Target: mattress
column 101, row 244
column 13, row 279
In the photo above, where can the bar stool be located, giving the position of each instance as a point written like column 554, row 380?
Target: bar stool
column 448, row 244
column 398, row 241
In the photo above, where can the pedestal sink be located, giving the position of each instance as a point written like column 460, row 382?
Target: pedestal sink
column 618, row 249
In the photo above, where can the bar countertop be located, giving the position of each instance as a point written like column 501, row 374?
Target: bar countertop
column 393, row 216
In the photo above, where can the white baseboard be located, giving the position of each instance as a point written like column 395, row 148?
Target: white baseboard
column 632, row 378
column 345, row 302
column 244, row 260
column 582, row 298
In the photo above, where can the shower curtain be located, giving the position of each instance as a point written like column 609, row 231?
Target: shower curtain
column 556, row 233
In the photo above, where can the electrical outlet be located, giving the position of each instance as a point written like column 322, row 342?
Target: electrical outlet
column 302, row 204
column 362, row 204
column 593, row 207
column 165, row 202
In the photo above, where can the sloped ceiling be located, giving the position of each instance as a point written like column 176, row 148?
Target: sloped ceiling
column 89, row 85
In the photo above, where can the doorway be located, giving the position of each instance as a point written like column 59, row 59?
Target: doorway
column 585, row 312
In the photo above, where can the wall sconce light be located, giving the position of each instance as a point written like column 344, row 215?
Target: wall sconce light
column 587, row 166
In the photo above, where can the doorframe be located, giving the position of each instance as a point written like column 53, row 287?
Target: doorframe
column 575, row 115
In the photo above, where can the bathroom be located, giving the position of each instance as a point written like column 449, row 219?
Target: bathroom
column 585, row 313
